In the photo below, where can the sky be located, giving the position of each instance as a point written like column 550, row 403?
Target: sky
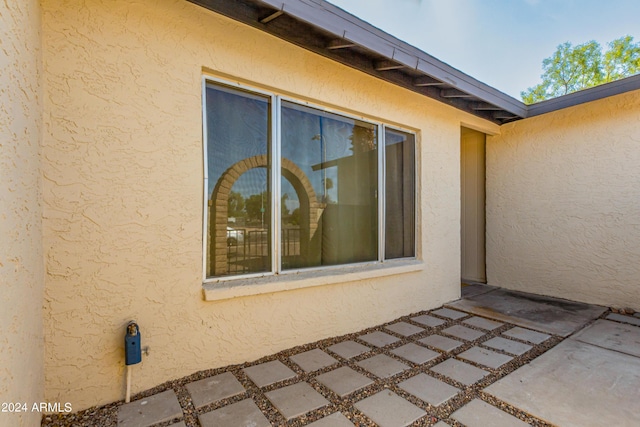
column 500, row 42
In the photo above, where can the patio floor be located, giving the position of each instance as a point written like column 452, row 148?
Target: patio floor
column 493, row 358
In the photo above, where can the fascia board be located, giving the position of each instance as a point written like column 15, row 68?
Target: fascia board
column 344, row 25
column 587, row 95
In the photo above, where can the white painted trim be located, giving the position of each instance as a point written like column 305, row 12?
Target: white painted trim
column 205, row 202
column 381, row 193
column 288, row 282
column 276, row 185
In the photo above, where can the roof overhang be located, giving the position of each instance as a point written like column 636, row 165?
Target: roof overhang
column 334, row 33
column 587, row 95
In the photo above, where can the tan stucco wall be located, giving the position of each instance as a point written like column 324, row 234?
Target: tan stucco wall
column 21, row 265
column 123, row 190
column 563, row 203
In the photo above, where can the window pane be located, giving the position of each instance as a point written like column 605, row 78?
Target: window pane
column 400, row 194
column 328, row 182
column 238, row 238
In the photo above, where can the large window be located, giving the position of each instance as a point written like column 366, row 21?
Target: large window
column 290, row 187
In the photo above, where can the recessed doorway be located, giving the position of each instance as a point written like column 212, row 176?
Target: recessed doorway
column 472, row 215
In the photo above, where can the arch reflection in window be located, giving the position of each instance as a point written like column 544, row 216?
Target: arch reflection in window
column 329, row 211
column 239, row 197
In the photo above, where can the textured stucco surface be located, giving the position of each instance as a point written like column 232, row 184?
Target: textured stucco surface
column 21, row 265
column 563, row 203
column 123, row 190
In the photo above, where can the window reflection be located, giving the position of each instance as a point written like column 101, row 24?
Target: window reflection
column 399, row 194
column 238, row 188
column 328, row 210
column 335, row 220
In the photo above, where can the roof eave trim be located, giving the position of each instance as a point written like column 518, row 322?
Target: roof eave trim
column 587, row 95
column 344, row 25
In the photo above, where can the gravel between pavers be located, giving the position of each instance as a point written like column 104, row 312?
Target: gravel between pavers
column 107, row 415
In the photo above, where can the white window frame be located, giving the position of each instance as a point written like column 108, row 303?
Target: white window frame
column 274, row 151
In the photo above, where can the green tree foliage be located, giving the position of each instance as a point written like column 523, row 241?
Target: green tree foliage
column 622, row 59
column 236, row 204
column 284, row 210
column 294, row 219
column 256, row 205
column 573, row 68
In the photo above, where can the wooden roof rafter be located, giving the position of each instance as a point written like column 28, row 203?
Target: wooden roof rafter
column 386, row 65
column 272, row 16
column 329, row 31
column 428, row 81
column 340, row 44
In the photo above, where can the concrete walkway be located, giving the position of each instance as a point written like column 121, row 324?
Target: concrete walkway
column 494, row 358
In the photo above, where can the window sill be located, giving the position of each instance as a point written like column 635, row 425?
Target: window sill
column 228, row 289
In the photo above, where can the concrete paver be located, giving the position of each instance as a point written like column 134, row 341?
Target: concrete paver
column 405, row 329
column 387, row 409
column 632, row 320
column 344, row 381
column 240, row 414
column 378, row 338
column 382, row 366
column 576, row 384
column 613, row 336
column 441, row 343
column 463, row 332
column 212, row 389
column 313, row 360
column 449, row 313
column 269, row 373
column 460, row 371
column 348, row 349
column 589, row 379
column 552, row 315
column 334, row 420
column 485, row 357
column 150, row 410
column 478, row 413
column 429, row 389
column 508, row 346
column 295, row 400
column 427, row 320
column 415, row 353
column 482, row 323
column 526, row 335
